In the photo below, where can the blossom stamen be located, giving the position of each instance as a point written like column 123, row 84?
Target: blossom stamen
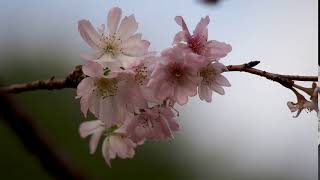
column 207, row 75
column 111, row 45
column 107, row 87
column 141, row 75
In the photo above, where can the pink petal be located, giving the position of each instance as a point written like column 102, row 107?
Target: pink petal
column 134, row 46
column 217, row 88
column 127, row 27
column 170, row 117
column 94, row 140
column 107, row 61
column 95, row 104
column 89, row 127
column 180, row 22
column 222, row 81
column 201, row 28
column 91, row 57
column 85, row 87
column 180, row 95
column 89, row 34
column 165, row 90
column 126, row 61
column 217, row 50
column 105, row 151
column 92, row 69
column 218, row 67
column 165, row 128
column 117, row 145
column 114, row 16
column 205, row 93
column 108, row 112
column 180, row 36
column 85, row 103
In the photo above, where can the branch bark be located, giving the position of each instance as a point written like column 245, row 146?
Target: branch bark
column 71, row 81
column 74, row 78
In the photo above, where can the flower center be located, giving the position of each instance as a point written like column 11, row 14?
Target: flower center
column 176, row 71
column 178, row 74
column 207, row 75
column 145, row 122
column 111, row 45
column 141, row 74
column 197, row 44
column 106, row 87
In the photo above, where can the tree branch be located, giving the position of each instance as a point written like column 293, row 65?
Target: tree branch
column 285, row 80
column 71, row 81
column 74, row 78
column 55, row 162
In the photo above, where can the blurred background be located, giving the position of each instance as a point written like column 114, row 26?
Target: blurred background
column 249, row 133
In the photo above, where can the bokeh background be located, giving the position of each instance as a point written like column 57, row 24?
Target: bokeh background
column 249, row 133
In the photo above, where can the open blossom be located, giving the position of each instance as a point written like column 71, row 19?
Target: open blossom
column 212, row 80
column 176, row 75
column 110, row 97
column 142, row 68
column 119, row 45
column 154, row 123
column 115, row 144
column 198, row 42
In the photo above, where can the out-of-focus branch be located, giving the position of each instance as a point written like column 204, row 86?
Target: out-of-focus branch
column 36, row 142
column 73, row 79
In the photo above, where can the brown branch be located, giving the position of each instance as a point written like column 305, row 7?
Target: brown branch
column 285, row 80
column 55, row 162
column 73, row 79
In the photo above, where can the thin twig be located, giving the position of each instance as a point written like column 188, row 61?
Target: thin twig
column 285, row 80
column 73, row 79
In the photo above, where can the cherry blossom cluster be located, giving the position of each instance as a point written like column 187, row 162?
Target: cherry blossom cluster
column 132, row 92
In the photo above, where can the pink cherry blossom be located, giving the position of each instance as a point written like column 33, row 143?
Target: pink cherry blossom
column 212, row 80
column 111, row 97
column 142, row 68
column 115, row 144
column 119, row 45
column 198, row 42
column 176, row 75
column 154, row 123
column 119, row 145
column 95, row 129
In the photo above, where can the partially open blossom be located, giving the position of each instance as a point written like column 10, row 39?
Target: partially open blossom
column 95, row 129
column 154, row 123
column 198, row 42
column 119, row 45
column 302, row 103
column 115, row 143
column 212, row 80
column 111, row 97
column 176, row 75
